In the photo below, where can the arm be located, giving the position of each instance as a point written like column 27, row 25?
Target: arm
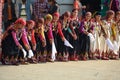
column 41, row 34
column 111, row 1
column 60, row 31
column 50, row 35
column 15, row 38
column 25, row 40
column 33, row 38
column 81, row 28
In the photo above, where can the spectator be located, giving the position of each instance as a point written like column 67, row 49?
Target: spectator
column 25, row 10
column 77, row 5
column 115, row 5
column 40, row 9
column 9, row 15
column 54, row 7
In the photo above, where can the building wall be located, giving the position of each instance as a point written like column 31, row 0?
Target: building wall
column 65, row 5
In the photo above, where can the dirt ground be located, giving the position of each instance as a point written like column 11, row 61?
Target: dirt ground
column 80, row 70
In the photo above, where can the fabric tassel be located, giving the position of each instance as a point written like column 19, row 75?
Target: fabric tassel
column 66, row 43
column 24, row 52
column 109, row 43
column 116, row 47
column 92, row 39
column 30, row 53
column 54, row 51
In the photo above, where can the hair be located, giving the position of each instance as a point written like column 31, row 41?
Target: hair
column 67, row 14
column 41, row 20
column 30, row 22
column 74, row 10
column 54, row 1
column 118, row 12
column 88, row 13
column 109, row 13
column 48, row 17
column 20, row 21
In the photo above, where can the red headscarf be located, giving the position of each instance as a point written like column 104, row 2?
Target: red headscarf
column 20, row 21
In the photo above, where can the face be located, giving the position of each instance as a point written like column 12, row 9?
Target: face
column 88, row 17
column 39, row 24
column 30, row 26
column 75, row 13
column 20, row 26
column 98, row 17
column 118, row 17
column 50, row 2
column 47, row 21
column 55, row 18
column 111, row 17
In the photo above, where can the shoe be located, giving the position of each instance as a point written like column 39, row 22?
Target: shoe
column 50, row 60
column 105, row 58
column 15, row 63
column 73, row 59
column 24, row 63
column 3, row 61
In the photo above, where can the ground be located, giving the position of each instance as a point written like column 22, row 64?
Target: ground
column 80, row 70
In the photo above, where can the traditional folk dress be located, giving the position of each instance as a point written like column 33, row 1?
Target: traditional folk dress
column 31, row 39
column 40, row 39
column 108, row 30
column 84, row 39
column 65, row 30
column 74, row 26
column 10, row 43
column 49, row 38
column 57, row 34
column 118, row 32
column 97, row 34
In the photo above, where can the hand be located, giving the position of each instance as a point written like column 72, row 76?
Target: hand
column 27, row 47
column 34, row 47
column 85, row 32
column 43, row 43
column 51, row 40
column 63, row 39
column 20, row 46
column 75, row 36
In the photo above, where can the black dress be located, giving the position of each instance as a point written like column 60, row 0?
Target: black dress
column 9, row 47
column 75, row 25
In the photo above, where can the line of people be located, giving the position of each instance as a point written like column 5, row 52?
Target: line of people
column 62, row 38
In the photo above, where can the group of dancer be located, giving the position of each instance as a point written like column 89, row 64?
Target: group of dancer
column 62, row 38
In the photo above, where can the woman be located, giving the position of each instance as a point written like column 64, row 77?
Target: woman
column 74, row 24
column 31, row 38
column 57, row 33
column 98, row 36
column 48, row 36
column 64, row 20
column 10, row 42
column 109, row 26
column 117, row 21
column 85, row 28
column 40, row 41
